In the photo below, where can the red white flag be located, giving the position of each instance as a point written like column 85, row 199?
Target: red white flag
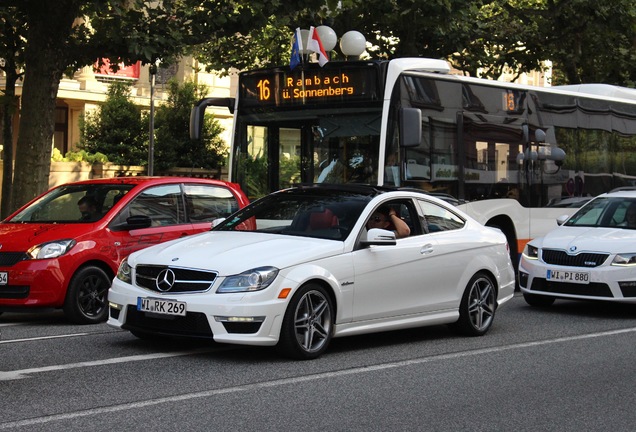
column 315, row 44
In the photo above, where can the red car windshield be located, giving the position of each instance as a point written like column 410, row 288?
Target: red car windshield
column 73, row 204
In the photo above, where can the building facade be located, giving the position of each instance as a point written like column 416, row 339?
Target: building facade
column 87, row 90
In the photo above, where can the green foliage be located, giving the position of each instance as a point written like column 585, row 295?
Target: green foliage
column 254, row 170
column 173, row 146
column 586, row 40
column 79, row 156
column 116, row 129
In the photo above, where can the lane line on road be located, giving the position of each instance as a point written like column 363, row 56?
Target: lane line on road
column 273, row 383
column 43, row 338
column 25, row 373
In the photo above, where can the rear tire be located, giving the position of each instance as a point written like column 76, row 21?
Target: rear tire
column 308, row 324
column 87, row 296
column 537, row 300
column 477, row 308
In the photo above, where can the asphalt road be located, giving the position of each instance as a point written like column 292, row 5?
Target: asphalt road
column 566, row 368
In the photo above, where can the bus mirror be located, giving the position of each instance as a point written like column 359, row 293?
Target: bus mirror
column 410, row 127
column 198, row 113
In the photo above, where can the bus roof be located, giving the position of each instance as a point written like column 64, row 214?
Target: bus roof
column 415, row 64
column 601, row 90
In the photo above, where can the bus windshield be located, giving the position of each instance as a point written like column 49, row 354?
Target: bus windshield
column 311, row 125
column 319, row 147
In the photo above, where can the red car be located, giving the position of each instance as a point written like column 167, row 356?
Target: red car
column 62, row 249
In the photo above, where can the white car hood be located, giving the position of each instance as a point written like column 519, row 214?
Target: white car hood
column 234, row 252
column 610, row 240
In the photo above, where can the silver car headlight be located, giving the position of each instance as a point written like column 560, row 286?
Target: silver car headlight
column 531, row 252
column 626, row 259
column 250, row 280
column 124, row 273
column 52, row 249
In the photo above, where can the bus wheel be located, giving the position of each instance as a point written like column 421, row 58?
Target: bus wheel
column 538, row 300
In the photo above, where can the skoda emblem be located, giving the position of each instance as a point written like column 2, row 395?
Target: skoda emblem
column 572, row 248
column 165, row 280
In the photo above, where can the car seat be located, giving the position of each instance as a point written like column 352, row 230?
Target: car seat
column 324, row 219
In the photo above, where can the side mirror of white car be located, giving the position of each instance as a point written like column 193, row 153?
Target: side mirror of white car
column 379, row 237
column 561, row 219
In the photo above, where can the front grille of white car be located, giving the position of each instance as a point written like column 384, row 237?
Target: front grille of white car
column 173, row 279
column 559, row 257
column 594, row 289
column 193, row 324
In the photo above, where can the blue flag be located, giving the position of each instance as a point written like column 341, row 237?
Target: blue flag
column 297, row 47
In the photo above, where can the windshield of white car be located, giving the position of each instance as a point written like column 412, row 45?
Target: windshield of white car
column 307, row 213
column 84, row 203
column 606, row 212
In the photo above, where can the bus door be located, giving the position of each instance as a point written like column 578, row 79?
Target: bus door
column 270, row 158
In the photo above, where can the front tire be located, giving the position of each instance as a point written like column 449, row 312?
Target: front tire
column 477, row 308
column 308, row 324
column 538, row 300
column 86, row 299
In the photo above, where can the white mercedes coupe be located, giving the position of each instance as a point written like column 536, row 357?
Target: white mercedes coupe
column 304, row 265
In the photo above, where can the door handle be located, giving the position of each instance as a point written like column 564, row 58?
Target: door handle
column 426, row 249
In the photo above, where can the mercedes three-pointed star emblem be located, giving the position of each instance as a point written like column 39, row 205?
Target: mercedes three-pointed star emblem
column 165, row 280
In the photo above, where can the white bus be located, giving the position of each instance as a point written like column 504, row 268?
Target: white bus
column 512, row 156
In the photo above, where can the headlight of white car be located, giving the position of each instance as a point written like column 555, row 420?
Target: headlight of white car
column 124, row 273
column 531, row 252
column 626, row 259
column 250, row 280
column 51, row 250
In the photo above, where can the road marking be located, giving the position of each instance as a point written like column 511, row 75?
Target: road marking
column 24, row 373
column 273, row 383
column 43, row 338
column 266, row 384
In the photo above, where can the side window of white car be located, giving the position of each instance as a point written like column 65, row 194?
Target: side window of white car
column 437, row 218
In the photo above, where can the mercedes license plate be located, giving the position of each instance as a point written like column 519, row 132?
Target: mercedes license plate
column 568, row 276
column 4, row 278
column 161, row 306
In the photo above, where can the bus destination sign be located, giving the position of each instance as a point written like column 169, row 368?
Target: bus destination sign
column 281, row 88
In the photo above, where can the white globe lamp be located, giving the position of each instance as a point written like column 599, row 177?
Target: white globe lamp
column 353, row 43
column 327, row 37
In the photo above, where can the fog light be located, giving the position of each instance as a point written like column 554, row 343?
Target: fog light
column 239, row 319
column 115, row 305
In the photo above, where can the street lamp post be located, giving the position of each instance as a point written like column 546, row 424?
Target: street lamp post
column 151, row 142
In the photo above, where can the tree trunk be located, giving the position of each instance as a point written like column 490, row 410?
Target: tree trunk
column 8, row 111
column 46, row 58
